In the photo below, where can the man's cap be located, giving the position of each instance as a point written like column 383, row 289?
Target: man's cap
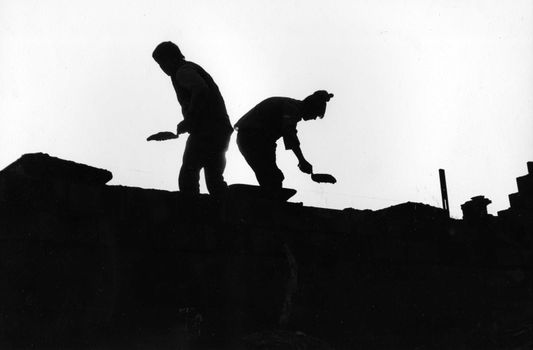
column 316, row 102
column 322, row 95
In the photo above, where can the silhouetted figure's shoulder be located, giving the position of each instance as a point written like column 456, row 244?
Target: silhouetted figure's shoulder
column 190, row 66
column 278, row 102
column 189, row 71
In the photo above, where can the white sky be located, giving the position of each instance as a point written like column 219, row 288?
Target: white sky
column 419, row 85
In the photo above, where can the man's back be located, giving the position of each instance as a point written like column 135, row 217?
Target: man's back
column 209, row 112
column 268, row 116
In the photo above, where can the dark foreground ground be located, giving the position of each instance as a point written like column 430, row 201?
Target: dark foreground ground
column 84, row 265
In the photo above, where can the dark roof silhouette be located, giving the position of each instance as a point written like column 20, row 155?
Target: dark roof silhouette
column 85, row 264
column 41, row 166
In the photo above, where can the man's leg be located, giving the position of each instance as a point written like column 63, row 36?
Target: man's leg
column 189, row 177
column 260, row 154
column 216, row 164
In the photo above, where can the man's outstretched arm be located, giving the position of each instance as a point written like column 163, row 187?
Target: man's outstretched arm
column 290, row 138
column 303, row 164
column 291, row 142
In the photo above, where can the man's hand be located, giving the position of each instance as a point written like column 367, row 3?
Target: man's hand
column 305, row 167
column 182, row 127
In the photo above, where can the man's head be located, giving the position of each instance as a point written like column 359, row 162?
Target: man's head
column 168, row 55
column 315, row 105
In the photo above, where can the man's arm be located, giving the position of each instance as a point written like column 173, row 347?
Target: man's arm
column 291, row 141
column 303, row 164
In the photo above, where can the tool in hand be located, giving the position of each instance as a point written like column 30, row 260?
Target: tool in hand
column 162, row 136
column 323, row 178
column 183, row 127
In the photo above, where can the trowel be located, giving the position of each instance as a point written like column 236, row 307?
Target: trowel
column 323, row 178
column 162, row 136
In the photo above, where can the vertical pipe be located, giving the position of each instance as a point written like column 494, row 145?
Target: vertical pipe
column 444, row 191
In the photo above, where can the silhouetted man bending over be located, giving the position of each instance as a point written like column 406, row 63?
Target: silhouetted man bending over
column 204, row 117
column 275, row 117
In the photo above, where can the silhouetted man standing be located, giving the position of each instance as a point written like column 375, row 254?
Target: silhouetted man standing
column 260, row 128
column 204, row 117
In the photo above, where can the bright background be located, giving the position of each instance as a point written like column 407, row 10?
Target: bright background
column 419, row 85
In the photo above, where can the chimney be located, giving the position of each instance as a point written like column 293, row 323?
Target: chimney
column 475, row 209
